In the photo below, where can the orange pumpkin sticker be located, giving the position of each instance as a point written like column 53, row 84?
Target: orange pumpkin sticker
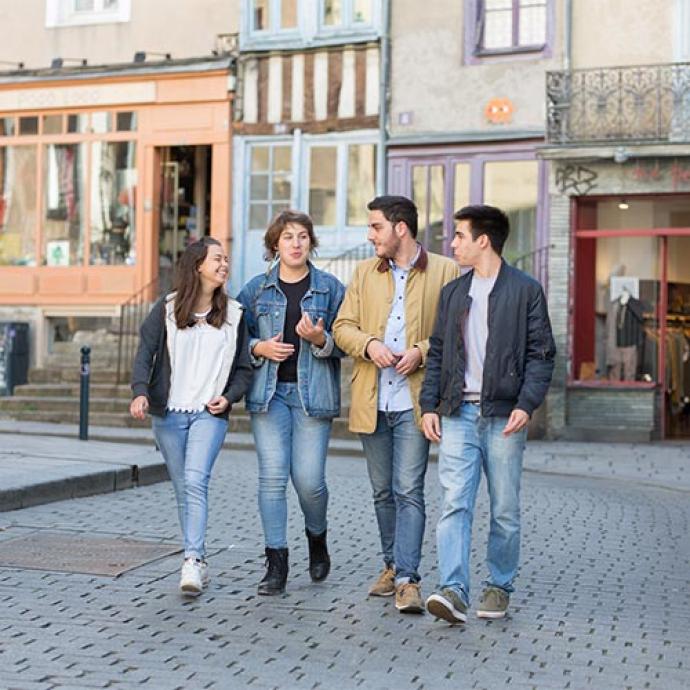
column 499, row 111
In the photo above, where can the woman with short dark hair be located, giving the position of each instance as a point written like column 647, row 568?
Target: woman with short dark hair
column 295, row 392
column 192, row 364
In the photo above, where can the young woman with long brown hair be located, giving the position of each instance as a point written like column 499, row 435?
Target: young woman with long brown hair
column 191, row 366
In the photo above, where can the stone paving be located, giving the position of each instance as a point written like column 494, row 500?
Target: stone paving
column 603, row 597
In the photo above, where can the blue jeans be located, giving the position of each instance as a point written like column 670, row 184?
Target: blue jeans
column 289, row 443
column 471, row 443
column 397, row 456
column 190, row 443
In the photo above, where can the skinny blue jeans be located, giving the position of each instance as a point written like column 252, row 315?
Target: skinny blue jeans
column 471, row 443
column 397, row 457
column 190, row 443
column 290, row 445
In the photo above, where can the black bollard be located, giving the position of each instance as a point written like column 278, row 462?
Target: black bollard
column 84, row 378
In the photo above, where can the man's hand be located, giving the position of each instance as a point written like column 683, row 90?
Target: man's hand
column 217, row 405
column 138, row 407
column 518, row 420
column 409, row 361
column 431, row 426
column 273, row 349
column 381, row 355
column 307, row 330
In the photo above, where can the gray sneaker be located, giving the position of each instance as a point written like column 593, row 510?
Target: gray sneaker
column 493, row 604
column 448, row 605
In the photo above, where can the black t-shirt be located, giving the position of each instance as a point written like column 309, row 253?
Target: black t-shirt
column 287, row 371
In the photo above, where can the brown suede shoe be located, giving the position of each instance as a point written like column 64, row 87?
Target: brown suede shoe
column 408, row 598
column 384, row 585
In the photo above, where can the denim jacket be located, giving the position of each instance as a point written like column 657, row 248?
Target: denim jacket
column 318, row 369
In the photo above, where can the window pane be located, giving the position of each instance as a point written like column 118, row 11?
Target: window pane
column 362, row 11
column 83, row 5
column 532, row 24
column 361, row 182
column 258, row 216
column 113, row 197
column 18, row 179
column 498, row 29
column 63, row 189
column 322, row 184
column 100, row 122
column 126, row 122
column 461, row 193
column 52, row 124
column 428, row 193
column 7, row 127
column 282, row 158
column 28, row 125
column 288, row 14
column 262, row 20
column 110, row 4
column 260, row 155
column 280, row 190
column 332, row 12
column 513, row 186
column 258, row 188
column 77, row 123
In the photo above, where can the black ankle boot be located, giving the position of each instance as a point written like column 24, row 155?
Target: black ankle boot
column 276, row 572
column 319, row 561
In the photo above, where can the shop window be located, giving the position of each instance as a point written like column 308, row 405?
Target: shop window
column 361, row 182
column 428, row 193
column 18, row 177
column 323, row 186
column 126, row 122
column 52, row 124
column 632, row 299
column 113, row 203
column 63, row 188
column 77, row 123
column 28, row 126
column 513, row 186
column 101, row 122
column 507, row 26
column 7, row 127
column 270, row 182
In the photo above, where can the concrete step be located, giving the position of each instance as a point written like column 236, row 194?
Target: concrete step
column 74, row 349
column 58, row 405
column 238, row 423
column 71, row 390
column 72, row 374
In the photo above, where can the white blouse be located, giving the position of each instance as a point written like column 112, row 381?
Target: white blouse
column 197, row 362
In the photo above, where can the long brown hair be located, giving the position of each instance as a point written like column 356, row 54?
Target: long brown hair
column 188, row 286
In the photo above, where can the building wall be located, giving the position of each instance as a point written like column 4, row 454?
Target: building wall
column 188, row 32
column 451, row 96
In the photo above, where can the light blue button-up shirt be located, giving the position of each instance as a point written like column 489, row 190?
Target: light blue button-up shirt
column 394, row 390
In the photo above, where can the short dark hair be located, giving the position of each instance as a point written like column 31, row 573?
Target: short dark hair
column 396, row 209
column 280, row 222
column 486, row 220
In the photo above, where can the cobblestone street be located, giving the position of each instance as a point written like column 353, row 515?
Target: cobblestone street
column 602, row 601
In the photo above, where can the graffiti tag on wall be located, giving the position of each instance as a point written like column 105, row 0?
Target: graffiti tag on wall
column 653, row 171
column 575, row 179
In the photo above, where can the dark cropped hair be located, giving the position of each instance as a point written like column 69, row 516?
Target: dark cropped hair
column 489, row 221
column 396, row 209
column 280, row 222
column 188, row 286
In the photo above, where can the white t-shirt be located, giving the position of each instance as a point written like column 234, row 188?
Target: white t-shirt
column 475, row 334
column 197, row 362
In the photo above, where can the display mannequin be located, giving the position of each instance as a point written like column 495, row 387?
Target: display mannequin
column 626, row 327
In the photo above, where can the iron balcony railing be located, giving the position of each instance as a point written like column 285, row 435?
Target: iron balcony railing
column 645, row 104
column 343, row 265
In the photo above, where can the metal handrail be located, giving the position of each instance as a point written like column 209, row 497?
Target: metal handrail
column 343, row 265
column 539, row 259
column 132, row 314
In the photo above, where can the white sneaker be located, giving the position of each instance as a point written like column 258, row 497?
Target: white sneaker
column 191, row 582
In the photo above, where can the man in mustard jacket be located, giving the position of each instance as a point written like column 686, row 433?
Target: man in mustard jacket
column 384, row 323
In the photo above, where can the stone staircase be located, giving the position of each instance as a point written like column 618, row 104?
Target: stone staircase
column 52, row 394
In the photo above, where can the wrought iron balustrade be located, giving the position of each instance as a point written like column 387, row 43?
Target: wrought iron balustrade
column 645, row 104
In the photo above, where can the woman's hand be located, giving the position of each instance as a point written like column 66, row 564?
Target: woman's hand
column 273, row 349
column 139, row 407
column 217, row 405
column 307, row 330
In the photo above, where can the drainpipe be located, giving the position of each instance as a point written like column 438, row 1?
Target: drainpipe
column 567, row 34
column 381, row 162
